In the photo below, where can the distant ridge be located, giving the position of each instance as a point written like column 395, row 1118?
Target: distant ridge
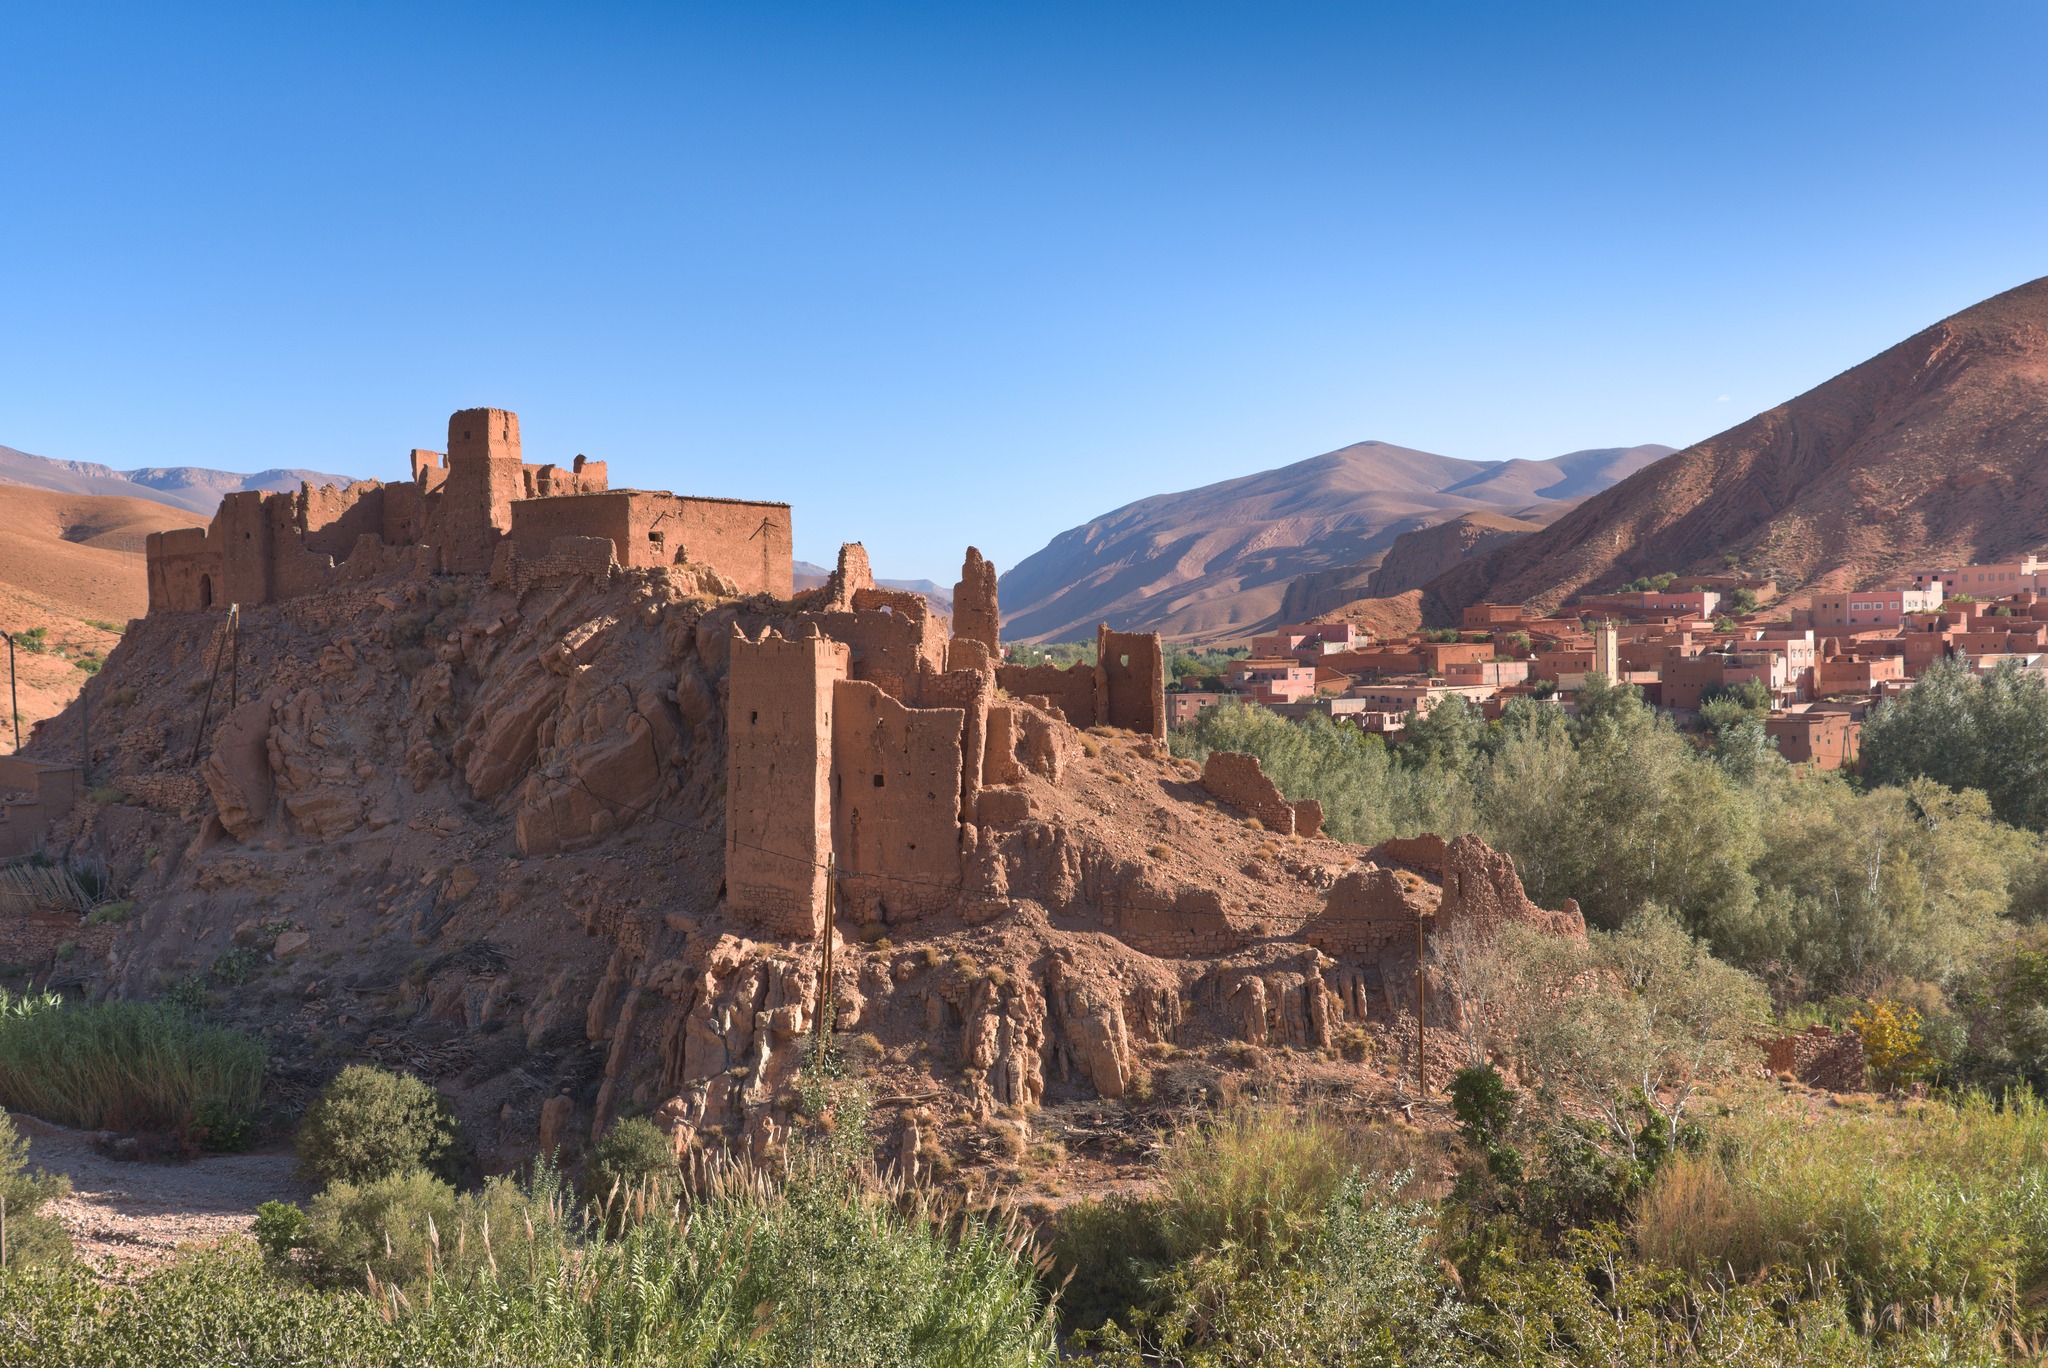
column 192, row 488
column 1215, row 562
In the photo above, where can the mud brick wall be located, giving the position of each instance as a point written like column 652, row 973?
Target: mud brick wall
column 1820, row 1058
column 1235, row 778
column 896, row 773
column 778, row 811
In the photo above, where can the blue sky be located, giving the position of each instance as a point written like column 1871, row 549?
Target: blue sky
column 947, row 273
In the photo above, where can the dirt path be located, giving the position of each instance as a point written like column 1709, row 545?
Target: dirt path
column 138, row 1214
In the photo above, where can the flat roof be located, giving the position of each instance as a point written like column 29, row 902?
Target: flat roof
column 664, row 493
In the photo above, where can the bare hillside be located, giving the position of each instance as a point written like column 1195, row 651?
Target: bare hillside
column 1932, row 451
column 1215, row 562
column 71, row 565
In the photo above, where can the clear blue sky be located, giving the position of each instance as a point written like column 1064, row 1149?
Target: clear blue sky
column 951, row 273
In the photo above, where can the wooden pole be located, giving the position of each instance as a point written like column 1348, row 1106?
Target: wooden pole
column 212, row 680
column 1421, row 1014
column 825, row 960
column 13, row 694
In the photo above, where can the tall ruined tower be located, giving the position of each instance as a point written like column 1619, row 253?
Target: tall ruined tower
column 484, row 477
column 975, row 614
column 778, row 777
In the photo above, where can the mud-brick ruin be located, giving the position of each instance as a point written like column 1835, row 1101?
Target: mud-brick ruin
column 551, row 792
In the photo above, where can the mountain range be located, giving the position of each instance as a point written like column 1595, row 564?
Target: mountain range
column 1935, row 450
column 1215, row 562
column 192, row 488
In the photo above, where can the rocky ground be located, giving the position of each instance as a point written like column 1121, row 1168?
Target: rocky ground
column 136, row 1215
column 477, row 833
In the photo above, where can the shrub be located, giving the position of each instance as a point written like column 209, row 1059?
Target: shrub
column 634, row 1160
column 280, row 1229
column 387, row 1225
column 371, row 1123
column 27, row 1236
column 137, row 1066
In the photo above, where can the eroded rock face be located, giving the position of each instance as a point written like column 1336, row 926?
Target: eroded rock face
column 237, row 771
column 493, row 819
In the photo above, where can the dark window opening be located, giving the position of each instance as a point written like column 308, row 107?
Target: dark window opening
column 878, row 781
column 753, row 719
column 206, row 591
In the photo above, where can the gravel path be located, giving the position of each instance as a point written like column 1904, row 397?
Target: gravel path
column 137, row 1214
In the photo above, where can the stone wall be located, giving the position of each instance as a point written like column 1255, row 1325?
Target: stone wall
column 893, row 637
column 778, row 813
column 1820, row 1058
column 32, row 796
column 1070, row 691
column 584, row 476
column 896, row 819
column 746, row 542
column 184, row 571
column 1131, row 690
column 1236, row 778
column 566, row 558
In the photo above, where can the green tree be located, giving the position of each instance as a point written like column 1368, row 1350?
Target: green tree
column 1968, row 731
column 371, row 1123
column 32, row 1236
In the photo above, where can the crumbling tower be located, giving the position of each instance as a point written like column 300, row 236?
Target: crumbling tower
column 484, row 477
column 778, row 777
column 975, row 614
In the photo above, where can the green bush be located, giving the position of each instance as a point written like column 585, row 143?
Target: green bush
column 387, row 1225
column 280, row 1229
column 633, row 1167
column 29, row 1237
column 371, row 1123
column 135, row 1066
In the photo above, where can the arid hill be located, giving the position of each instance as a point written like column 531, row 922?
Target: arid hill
column 1932, row 451
column 1415, row 559
column 1215, row 562
column 71, row 565
column 192, row 488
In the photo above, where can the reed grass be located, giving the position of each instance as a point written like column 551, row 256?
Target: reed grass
column 1909, row 1207
column 128, row 1066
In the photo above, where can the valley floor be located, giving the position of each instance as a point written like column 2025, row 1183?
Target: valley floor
column 139, row 1213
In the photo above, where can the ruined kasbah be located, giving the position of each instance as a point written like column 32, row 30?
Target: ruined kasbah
column 560, row 796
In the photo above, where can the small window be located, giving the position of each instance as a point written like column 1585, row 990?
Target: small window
column 753, row 719
column 878, row 781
